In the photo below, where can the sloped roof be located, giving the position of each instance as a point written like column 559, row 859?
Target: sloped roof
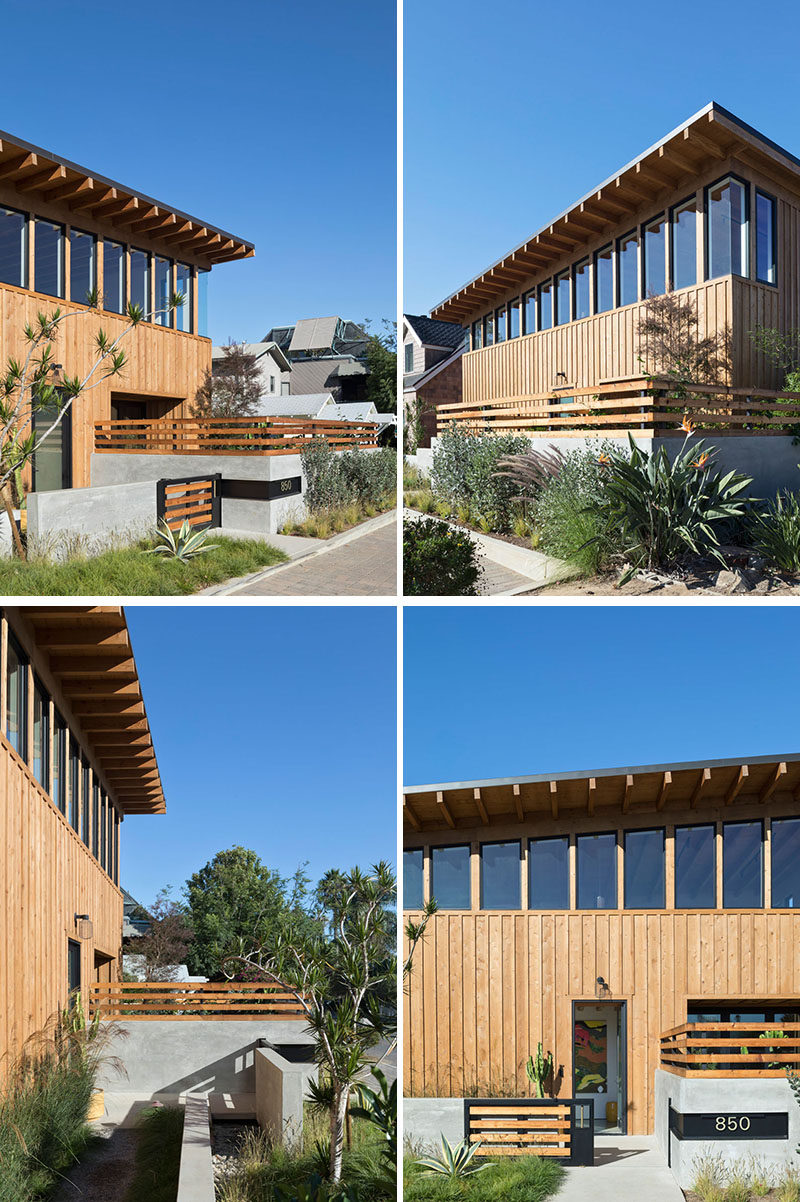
column 259, row 349
column 314, row 334
column 308, row 404
column 436, row 333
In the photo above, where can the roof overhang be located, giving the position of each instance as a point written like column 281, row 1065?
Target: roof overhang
column 91, row 658
column 31, row 169
column 712, row 133
column 465, row 805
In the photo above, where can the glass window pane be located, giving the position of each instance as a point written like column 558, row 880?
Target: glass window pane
column 727, row 229
column 695, row 868
column 765, row 238
column 644, row 870
column 202, row 302
column 684, row 245
column 140, row 281
column 113, row 277
column 412, row 879
column 548, row 874
column 529, row 312
column 488, row 329
column 40, row 762
column 52, row 462
column 103, row 829
column 655, row 263
column 82, row 270
column 95, row 820
column 563, row 313
column 59, row 792
column 597, row 872
column 74, row 783
column 477, row 335
column 500, row 325
column 501, row 885
column 786, row 863
column 603, row 280
column 450, row 877
column 514, row 319
column 546, row 306
column 183, row 284
column 48, row 253
column 17, row 699
column 13, row 248
column 85, row 802
column 582, row 292
column 742, row 865
column 163, row 291
column 628, row 268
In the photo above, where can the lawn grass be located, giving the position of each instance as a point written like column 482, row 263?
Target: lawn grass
column 516, row 1179
column 158, row 1155
column 127, row 572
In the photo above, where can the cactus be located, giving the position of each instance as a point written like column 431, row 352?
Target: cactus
column 539, row 1069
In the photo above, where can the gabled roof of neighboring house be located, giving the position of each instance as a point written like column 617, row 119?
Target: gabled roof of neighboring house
column 416, row 382
column 313, row 375
column 435, row 333
column 308, row 404
column 55, row 177
column 260, row 350
column 713, row 132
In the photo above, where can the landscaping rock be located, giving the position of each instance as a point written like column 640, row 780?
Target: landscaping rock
column 732, row 582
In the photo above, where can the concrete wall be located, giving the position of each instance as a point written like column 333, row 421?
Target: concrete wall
column 125, row 512
column 196, row 1177
column 281, row 1088
column 426, row 1120
column 726, row 1095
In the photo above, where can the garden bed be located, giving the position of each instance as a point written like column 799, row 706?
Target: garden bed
column 515, row 1179
column 326, row 523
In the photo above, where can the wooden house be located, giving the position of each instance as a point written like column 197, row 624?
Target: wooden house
column 77, row 758
column 66, row 233
column 603, row 913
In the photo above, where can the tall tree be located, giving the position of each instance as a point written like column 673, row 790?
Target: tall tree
column 166, row 944
column 233, row 387
column 382, row 364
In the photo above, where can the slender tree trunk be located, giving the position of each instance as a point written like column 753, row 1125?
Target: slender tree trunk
column 6, row 491
column 338, row 1112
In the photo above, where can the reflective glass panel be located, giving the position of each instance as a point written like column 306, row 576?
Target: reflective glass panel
column 183, row 284
column 582, row 290
column 140, row 281
column 563, row 313
column 514, row 326
column 548, row 874
column 695, row 868
column 488, row 329
column 546, row 306
column 477, row 335
column 412, row 879
column 529, row 312
column 597, row 872
column 727, row 229
column 655, row 263
column 82, row 267
column 765, row 238
column 684, row 245
column 41, row 735
column 786, row 863
column 628, row 269
column 501, row 885
column 644, row 870
column 450, row 877
column 163, row 291
column 113, row 277
column 500, row 325
column 604, row 280
column 48, row 255
column 13, row 248
column 17, row 699
column 742, row 875
column 202, row 302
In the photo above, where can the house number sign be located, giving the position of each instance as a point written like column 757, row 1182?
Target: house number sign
column 288, row 487
column 730, row 1125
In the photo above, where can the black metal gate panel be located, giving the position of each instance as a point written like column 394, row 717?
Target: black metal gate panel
column 559, row 1128
column 192, row 499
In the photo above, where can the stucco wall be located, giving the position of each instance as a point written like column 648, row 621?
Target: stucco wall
column 426, row 1120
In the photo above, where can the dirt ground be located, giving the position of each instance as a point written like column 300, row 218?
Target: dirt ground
column 606, row 586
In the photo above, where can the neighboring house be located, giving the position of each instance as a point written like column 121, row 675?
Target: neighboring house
column 134, row 922
column 273, row 366
column 322, row 405
column 431, row 369
column 327, row 354
column 78, row 757
column 606, row 913
column 136, row 965
column 710, row 213
column 65, row 231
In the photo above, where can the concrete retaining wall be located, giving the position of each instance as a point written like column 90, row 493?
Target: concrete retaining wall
column 196, row 1178
column 281, row 1089
column 426, row 1120
column 125, row 511
column 725, row 1095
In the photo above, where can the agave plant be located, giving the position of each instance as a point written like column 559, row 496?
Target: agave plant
column 456, row 1160
column 184, row 545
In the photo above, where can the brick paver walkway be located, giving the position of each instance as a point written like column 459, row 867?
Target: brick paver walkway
column 365, row 567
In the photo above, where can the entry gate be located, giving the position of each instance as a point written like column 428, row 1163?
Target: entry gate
column 192, row 499
column 560, row 1128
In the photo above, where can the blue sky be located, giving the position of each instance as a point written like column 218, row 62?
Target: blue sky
column 515, row 111
column 273, row 121
column 515, row 691
column 274, row 728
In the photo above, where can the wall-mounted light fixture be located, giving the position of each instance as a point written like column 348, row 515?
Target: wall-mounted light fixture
column 84, row 926
column 602, row 988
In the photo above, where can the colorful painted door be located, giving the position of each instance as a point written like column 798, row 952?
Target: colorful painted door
column 591, row 1056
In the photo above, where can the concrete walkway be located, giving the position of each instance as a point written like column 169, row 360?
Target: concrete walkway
column 358, row 563
column 627, row 1168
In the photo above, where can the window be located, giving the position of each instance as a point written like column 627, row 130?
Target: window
column 546, row 306
column 113, row 277
column 183, row 284
column 501, row 885
column 116, row 847
column 529, row 312
column 786, row 863
column 140, row 282
column 60, row 736
column 163, row 314
column 695, row 868
column 514, row 318
column 82, row 266
column 766, row 212
column 563, row 312
column 412, row 879
column 581, row 289
column 548, row 874
column 500, row 324
column 628, row 269
column 603, row 280
column 202, row 301
column 73, row 966
column 597, row 872
column 17, row 698
column 742, row 862
column 13, row 248
column 74, row 782
column 272, row 383
column 655, row 260
column 684, row 244
column 48, row 255
column 52, row 459
column 86, row 815
column 41, row 735
column 111, row 828
column 450, row 877
column 95, row 820
column 408, row 351
column 726, row 232
column 488, row 329
column 477, row 335
column 103, row 829
column 644, row 870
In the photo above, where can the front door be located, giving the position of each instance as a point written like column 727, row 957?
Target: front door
column 599, row 1061
column 125, row 410
column 73, row 965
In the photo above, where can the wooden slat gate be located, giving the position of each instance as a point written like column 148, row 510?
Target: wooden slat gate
column 195, row 499
column 562, row 1129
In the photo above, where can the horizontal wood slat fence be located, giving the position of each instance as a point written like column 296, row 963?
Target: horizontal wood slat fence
column 517, row 1128
column 152, row 1001
column 228, row 436
column 639, row 405
column 194, row 500
column 731, row 1049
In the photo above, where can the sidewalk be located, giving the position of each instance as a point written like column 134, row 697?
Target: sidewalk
column 627, row 1168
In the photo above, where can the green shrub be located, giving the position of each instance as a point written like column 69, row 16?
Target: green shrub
column 158, row 1155
column 512, row 1179
column 335, row 478
column 465, row 472
column 567, row 512
column 775, row 532
column 438, row 561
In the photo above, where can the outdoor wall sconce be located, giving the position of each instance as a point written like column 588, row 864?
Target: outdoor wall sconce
column 84, row 926
column 602, row 988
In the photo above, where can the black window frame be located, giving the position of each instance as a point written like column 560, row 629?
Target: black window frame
column 449, row 847
column 74, row 229
column 73, row 781
column 514, row 305
column 477, row 326
column 586, row 262
column 566, row 274
column 500, row 314
column 60, row 754
column 634, row 232
column 38, row 687
column 488, row 328
column 531, row 295
column 762, row 864
column 774, row 200
column 188, row 306
column 644, row 830
column 595, row 835
column 63, row 248
column 24, row 751
column 95, row 818
column 746, row 275
column 73, row 958
column 596, row 310
column 673, row 209
column 663, row 217
column 547, row 285
column 563, row 838
column 687, row 826
column 124, row 273
column 26, row 227
column 499, row 843
column 86, row 798
column 409, row 851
